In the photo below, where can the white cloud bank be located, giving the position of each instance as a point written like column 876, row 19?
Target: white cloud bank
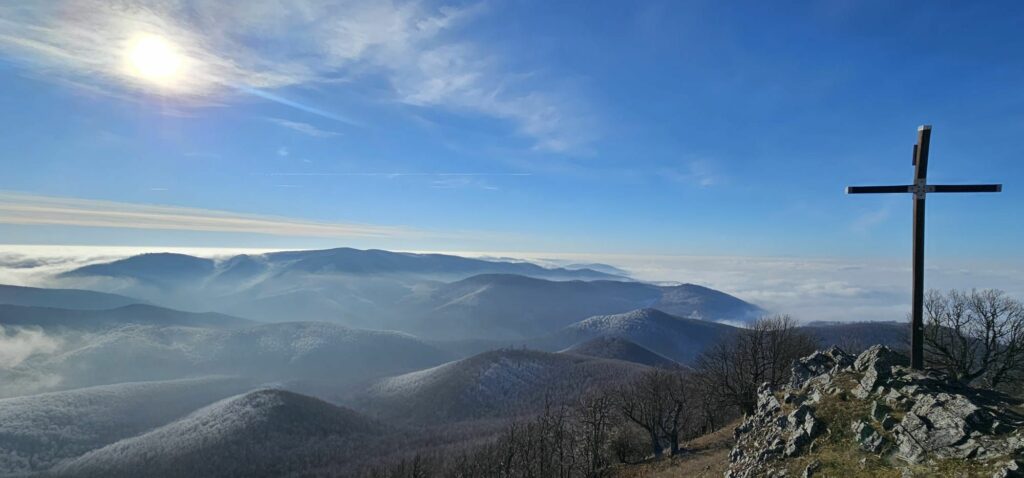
column 18, row 344
column 808, row 289
column 259, row 46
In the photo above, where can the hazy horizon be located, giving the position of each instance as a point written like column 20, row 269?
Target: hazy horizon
column 510, row 238
column 809, row 289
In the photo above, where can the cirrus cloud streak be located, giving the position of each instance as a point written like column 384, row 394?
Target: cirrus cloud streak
column 28, row 209
column 414, row 52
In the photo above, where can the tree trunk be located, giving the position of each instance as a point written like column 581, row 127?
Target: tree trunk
column 656, row 447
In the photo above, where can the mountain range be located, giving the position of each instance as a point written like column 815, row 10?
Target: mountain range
column 435, row 296
column 254, row 365
column 139, row 389
column 288, row 351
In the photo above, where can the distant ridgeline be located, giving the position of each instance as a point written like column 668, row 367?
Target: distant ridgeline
column 433, row 295
column 114, row 385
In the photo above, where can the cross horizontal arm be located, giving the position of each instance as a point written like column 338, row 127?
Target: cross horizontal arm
column 878, row 189
column 966, row 188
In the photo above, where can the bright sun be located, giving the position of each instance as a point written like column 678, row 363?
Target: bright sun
column 154, row 59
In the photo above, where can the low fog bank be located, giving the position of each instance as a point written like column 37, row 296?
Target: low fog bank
column 809, row 289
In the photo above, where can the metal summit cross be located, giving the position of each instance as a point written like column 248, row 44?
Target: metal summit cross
column 920, row 189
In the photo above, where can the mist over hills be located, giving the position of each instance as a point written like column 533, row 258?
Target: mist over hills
column 508, row 306
column 433, row 295
column 280, row 352
column 499, row 383
column 149, row 409
column 141, row 314
column 677, row 338
column 172, row 270
column 419, row 342
column 62, row 298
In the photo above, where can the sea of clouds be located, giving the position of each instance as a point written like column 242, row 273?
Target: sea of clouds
column 810, row 289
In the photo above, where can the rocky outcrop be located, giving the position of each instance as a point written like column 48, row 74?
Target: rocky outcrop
column 888, row 414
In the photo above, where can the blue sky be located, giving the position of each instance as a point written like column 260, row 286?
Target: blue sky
column 686, row 128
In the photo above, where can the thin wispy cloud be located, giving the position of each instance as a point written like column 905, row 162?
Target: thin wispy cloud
column 462, row 182
column 18, row 344
column 392, row 175
column 867, row 221
column 418, row 48
column 27, row 209
column 304, row 128
column 702, row 173
column 299, row 106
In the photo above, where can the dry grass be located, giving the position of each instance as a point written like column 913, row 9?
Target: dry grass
column 707, row 456
column 836, row 451
column 840, row 456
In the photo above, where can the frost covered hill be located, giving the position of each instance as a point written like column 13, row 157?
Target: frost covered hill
column 37, row 432
column 50, row 317
column 618, row 348
column 514, row 307
column 62, row 298
column 676, row 338
column 282, row 352
column 259, row 433
column 496, row 384
column 698, row 302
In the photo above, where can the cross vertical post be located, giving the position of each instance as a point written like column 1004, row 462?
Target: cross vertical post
column 924, row 134
column 920, row 190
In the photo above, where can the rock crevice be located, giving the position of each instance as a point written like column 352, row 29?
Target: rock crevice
column 895, row 416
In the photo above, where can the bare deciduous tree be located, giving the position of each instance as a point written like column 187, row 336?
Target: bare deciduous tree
column 733, row 369
column 657, row 402
column 975, row 336
column 594, row 417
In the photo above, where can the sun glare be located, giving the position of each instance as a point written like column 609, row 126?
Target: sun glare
column 154, row 59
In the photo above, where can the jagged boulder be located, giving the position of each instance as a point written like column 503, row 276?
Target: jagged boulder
column 819, row 364
column 876, row 404
column 868, row 438
column 941, row 424
column 768, row 435
column 876, row 364
column 804, row 428
column 1010, row 469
